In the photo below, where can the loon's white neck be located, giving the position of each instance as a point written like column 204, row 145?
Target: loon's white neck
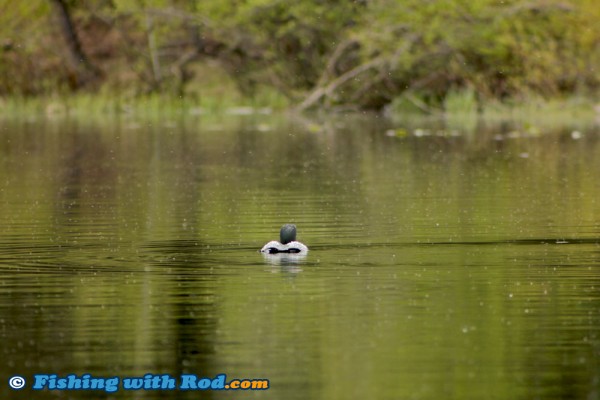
column 277, row 247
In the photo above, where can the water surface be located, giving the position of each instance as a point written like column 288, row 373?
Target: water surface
column 441, row 264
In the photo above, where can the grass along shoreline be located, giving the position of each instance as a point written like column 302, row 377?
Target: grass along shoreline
column 460, row 109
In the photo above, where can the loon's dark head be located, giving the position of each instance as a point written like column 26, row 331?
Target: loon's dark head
column 287, row 233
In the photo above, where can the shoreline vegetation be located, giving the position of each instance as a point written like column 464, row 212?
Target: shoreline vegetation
column 459, row 107
column 574, row 117
column 490, row 59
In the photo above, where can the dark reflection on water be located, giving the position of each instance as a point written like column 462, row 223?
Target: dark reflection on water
column 440, row 266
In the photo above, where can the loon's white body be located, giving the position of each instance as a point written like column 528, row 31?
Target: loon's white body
column 287, row 243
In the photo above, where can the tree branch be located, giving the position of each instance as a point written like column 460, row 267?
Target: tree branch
column 323, row 91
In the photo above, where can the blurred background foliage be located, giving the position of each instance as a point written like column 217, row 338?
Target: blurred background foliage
column 364, row 54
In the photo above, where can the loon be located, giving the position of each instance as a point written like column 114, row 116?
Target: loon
column 288, row 244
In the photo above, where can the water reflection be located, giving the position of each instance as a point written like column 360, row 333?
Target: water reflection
column 131, row 251
column 287, row 261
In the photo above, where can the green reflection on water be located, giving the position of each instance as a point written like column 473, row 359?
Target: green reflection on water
column 440, row 266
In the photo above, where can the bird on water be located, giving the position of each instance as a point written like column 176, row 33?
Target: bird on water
column 287, row 242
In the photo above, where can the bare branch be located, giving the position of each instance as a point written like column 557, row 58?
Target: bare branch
column 327, row 91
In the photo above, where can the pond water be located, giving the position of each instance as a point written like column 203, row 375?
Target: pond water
column 442, row 264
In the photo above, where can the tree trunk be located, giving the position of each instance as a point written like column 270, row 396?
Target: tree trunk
column 78, row 62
